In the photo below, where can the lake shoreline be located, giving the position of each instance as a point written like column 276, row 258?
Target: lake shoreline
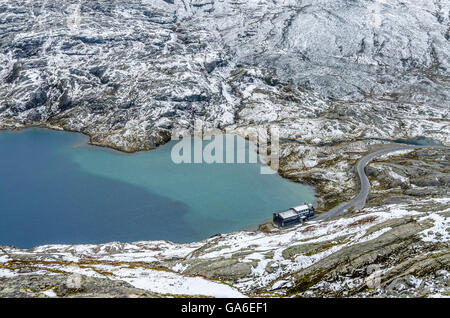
column 240, row 214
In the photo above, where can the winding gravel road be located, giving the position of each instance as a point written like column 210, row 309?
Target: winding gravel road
column 360, row 200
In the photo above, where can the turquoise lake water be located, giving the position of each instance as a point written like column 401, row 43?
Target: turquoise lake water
column 57, row 189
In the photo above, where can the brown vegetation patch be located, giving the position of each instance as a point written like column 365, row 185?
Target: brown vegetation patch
column 363, row 221
column 308, row 229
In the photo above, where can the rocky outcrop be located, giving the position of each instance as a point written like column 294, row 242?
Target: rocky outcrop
column 397, row 255
column 417, row 173
column 68, row 286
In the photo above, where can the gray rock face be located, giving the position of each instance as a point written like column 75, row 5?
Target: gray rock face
column 230, row 269
column 419, row 173
column 62, row 285
column 410, row 266
column 126, row 74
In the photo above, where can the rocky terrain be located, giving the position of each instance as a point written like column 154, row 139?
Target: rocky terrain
column 324, row 71
column 340, row 78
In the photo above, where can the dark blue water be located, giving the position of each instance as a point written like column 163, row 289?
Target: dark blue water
column 54, row 188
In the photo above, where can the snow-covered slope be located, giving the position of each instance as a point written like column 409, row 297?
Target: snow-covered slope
column 126, row 73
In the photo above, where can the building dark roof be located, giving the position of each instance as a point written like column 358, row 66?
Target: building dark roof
column 287, row 214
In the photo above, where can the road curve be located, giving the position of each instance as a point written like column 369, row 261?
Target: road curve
column 360, row 200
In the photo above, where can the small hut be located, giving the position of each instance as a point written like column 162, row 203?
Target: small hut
column 295, row 215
